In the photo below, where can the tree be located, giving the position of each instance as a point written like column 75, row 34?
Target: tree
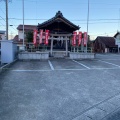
column 29, row 36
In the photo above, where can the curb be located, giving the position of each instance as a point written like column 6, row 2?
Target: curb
column 102, row 110
column 3, row 68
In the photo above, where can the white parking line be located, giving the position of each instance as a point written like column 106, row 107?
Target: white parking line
column 81, row 64
column 109, row 63
column 110, row 59
column 51, row 66
column 65, row 70
column 30, row 70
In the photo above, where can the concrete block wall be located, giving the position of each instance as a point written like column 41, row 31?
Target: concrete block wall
column 33, row 55
column 75, row 55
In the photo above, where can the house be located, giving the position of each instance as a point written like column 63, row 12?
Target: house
column 2, row 35
column 19, row 38
column 103, row 44
column 117, row 39
column 27, row 28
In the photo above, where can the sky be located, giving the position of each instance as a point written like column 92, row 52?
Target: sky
column 104, row 15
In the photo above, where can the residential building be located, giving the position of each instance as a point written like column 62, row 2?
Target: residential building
column 103, row 44
column 117, row 39
column 19, row 38
column 2, row 35
column 27, row 28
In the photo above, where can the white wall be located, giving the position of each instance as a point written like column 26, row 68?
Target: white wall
column 20, row 34
column 3, row 36
column 117, row 40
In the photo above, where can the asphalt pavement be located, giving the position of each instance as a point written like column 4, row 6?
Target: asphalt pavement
column 61, row 89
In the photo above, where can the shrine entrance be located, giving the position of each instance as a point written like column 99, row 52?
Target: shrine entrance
column 61, row 30
column 59, row 45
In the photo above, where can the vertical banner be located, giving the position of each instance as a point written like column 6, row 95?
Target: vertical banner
column 46, row 36
column 85, row 38
column 35, row 37
column 74, row 38
column 40, row 36
column 79, row 38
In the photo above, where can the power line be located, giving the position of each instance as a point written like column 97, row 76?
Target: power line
column 70, row 19
column 5, row 20
column 103, row 3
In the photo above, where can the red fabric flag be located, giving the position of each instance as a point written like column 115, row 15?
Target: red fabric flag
column 46, row 36
column 85, row 38
column 40, row 36
column 35, row 37
column 74, row 38
column 79, row 38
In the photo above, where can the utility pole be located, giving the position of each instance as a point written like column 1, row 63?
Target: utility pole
column 23, row 28
column 6, row 19
column 87, row 26
column 6, row 4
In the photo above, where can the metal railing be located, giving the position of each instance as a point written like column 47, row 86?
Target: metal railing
column 81, row 50
column 30, row 47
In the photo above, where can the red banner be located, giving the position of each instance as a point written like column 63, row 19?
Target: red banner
column 46, row 36
column 74, row 38
column 85, row 38
column 35, row 37
column 79, row 38
column 40, row 36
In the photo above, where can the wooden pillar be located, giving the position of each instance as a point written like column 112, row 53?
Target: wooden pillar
column 51, row 46
column 66, row 47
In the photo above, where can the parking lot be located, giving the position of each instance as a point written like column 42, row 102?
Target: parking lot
column 61, row 89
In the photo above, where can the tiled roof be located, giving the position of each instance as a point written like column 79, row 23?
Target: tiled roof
column 27, row 27
column 59, row 16
column 116, row 34
column 2, row 32
column 107, row 41
column 15, row 38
